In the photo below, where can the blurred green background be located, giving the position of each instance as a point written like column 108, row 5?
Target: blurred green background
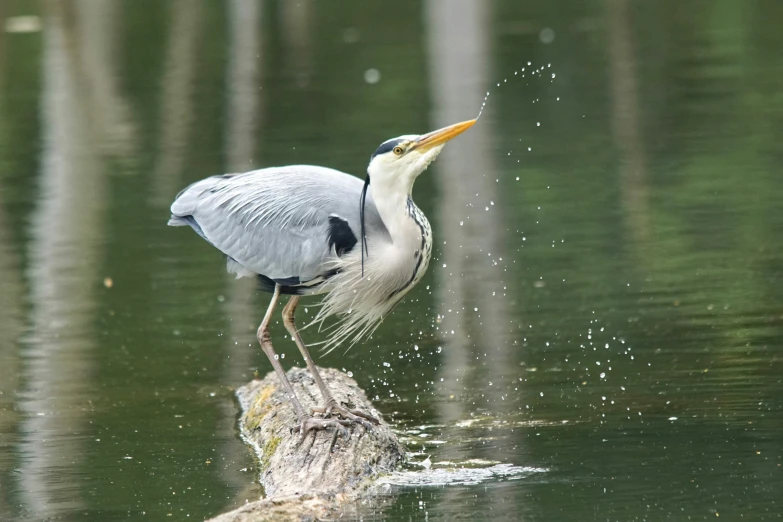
column 605, row 298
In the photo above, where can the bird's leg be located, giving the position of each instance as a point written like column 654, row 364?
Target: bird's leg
column 306, row 422
column 331, row 405
column 266, row 345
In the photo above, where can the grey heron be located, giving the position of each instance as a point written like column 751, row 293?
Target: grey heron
column 305, row 230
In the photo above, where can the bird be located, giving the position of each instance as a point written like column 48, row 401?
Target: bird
column 304, row 230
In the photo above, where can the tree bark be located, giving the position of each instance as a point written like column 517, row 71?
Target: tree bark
column 325, row 474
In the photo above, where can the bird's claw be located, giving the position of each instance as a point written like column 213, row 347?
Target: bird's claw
column 314, row 424
column 353, row 416
column 330, row 419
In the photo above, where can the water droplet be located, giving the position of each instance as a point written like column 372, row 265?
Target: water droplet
column 546, row 35
column 372, row 76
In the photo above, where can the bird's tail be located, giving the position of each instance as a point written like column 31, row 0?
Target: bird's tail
column 177, row 221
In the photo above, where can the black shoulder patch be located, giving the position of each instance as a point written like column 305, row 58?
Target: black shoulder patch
column 386, row 146
column 341, row 237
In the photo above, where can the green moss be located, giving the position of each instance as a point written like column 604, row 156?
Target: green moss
column 268, row 450
column 259, row 409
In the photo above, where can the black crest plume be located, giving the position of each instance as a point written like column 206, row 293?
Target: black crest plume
column 361, row 219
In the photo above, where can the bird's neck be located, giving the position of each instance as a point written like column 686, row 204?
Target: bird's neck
column 393, row 207
column 407, row 257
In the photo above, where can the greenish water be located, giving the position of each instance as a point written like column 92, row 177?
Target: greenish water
column 605, row 302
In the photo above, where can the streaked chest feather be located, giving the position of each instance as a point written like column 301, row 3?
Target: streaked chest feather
column 421, row 248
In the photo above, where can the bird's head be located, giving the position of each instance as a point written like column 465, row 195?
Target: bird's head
column 399, row 161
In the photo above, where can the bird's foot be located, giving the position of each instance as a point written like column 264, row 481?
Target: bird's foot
column 351, row 416
column 309, row 424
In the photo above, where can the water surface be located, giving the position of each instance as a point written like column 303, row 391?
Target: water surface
column 604, row 305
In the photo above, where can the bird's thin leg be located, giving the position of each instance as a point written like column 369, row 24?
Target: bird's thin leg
column 331, row 405
column 306, row 422
column 266, row 345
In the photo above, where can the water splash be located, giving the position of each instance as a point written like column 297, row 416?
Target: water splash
column 522, row 73
column 483, row 104
column 455, row 476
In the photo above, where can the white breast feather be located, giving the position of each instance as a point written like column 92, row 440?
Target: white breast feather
column 363, row 301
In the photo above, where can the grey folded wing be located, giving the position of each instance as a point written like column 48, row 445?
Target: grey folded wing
column 281, row 222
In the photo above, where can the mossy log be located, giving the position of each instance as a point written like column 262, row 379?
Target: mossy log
column 324, row 474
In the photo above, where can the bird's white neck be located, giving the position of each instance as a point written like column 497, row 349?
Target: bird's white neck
column 392, row 205
column 406, row 258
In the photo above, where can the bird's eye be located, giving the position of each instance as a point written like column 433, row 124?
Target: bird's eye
column 398, row 151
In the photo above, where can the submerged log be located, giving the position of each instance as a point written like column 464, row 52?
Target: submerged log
column 321, row 476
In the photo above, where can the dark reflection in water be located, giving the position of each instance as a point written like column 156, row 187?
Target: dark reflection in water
column 605, row 302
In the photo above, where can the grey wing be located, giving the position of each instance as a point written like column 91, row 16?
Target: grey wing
column 281, row 222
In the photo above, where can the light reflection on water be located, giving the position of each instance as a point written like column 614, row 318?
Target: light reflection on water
column 604, row 306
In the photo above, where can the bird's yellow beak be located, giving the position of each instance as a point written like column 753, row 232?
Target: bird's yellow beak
column 434, row 138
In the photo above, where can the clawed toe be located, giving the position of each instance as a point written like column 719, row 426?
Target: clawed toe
column 314, row 424
column 334, row 416
column 352, row 416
